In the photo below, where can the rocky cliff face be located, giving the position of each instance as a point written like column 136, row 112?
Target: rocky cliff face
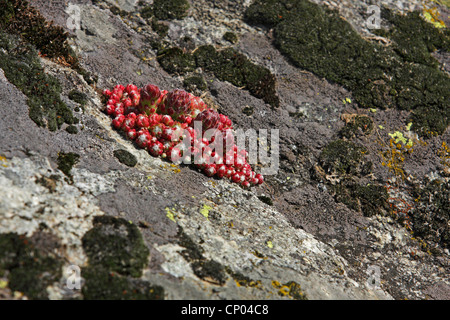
column 358, row 209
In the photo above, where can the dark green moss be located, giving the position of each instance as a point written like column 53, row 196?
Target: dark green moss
column 427, row 121
column 193, row 251
column 234, row 67
column 267, row 200
column 117, row 245
column 210, row 270
column 66, row 161
column 227, row 65
column 248, row 110
column 170, row 9
column 362, row 124
column 231, row 37
column 87, row 76
column 72, row 129
column 78, row 97
column 404, row 77
column 431, row 218
column 125, row 157
column 31, row 270
column 160, row 28
column 22, row 68
column 102, row 284
column 414, row 38
column 342, row 158
column 241, row 279
column 19, row 18
column 147, row 12
column 194, row 83
column 175, row 61
column 370, row 199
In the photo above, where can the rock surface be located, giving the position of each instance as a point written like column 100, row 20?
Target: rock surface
column 308, row 232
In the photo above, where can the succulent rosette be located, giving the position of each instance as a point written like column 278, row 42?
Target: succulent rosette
column 163, row 123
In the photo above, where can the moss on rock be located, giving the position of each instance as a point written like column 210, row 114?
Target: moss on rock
column 78, row 97
column 22, row 67
column 125, row 157
column 404, row 77
column 234, row 67
column 207, row 270
column 195, row 83
column 358, row 124
column 227, row 65
column 66, row 161
column 170, row 9
column 175, row 61
column 230, row 37
column 431, row 218
column 210, row 271
column 18, row 17
column 116, row 245
column 342, row 158
column 30, row 270
column 102, row 284
column 369, row 200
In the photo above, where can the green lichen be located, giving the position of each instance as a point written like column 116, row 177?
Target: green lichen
column 125, row 157
column 170, row 9
column 404, row 76
column 30, row 269
column 116, row 245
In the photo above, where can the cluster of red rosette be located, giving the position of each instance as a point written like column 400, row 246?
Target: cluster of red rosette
column 179, row 127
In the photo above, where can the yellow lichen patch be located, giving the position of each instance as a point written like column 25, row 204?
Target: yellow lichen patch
column 432, row 16
column 393, row 159
column 205, row 210
column 3, row 161
column 247, row 283
column 270, row 244
column 170, row 214
column 3, row 284
column 444, row 154
column 290, row 289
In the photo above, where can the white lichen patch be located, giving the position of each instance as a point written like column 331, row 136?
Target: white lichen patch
column 67, row 210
